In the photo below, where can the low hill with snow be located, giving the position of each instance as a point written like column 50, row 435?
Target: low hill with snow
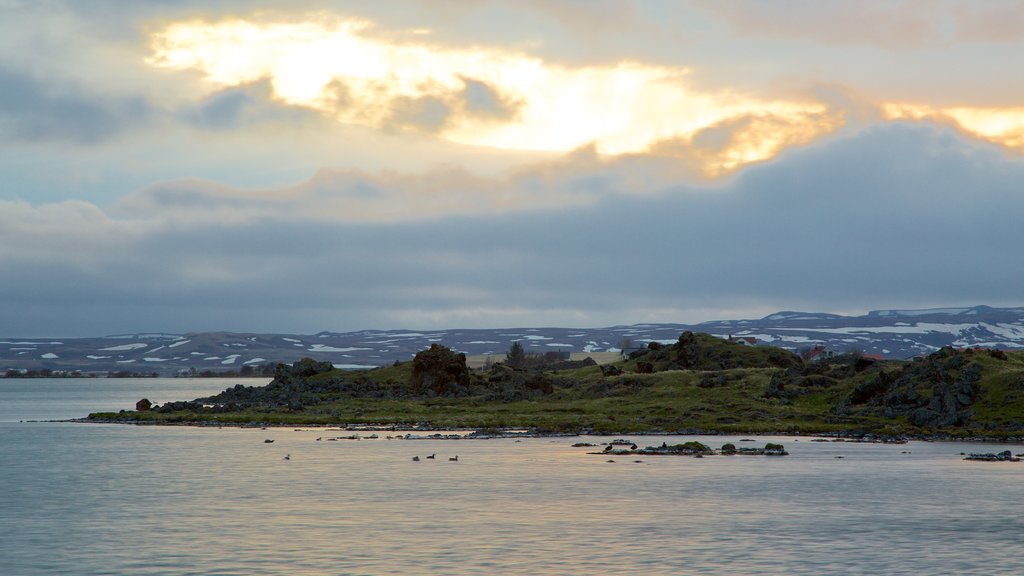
column 889, row 333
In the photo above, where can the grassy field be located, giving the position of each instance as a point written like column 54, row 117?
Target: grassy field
column 702, row 383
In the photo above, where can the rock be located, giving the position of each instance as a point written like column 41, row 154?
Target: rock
column 1004, row 456
column 610, row 370
column 143, row 405
column 439, row 371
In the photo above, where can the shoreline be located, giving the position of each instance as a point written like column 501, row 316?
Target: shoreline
column 520, row 432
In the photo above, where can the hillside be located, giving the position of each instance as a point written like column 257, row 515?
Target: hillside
column 887, row 333
column 697, row 383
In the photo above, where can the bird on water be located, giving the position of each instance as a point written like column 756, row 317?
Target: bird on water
column 454, row 458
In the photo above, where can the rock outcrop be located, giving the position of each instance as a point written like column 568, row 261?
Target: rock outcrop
column 438, row 371
column 935, row 392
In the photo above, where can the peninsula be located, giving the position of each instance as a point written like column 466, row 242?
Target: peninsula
column 699, row 383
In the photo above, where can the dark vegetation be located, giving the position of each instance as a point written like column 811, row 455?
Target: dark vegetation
column 698, row 384
column 247, row 371
column 45, row 373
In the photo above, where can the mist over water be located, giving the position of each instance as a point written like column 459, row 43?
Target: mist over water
column 112, row 499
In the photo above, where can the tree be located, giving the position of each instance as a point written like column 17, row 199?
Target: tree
column 516, row 356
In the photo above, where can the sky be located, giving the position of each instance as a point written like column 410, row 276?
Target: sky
column 266, row 166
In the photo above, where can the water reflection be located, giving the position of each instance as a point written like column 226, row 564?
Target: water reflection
column 144, row 500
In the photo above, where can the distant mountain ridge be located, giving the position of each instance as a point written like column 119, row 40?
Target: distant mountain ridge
column 890, row 333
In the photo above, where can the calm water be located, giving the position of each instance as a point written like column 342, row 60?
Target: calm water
column 109, row 499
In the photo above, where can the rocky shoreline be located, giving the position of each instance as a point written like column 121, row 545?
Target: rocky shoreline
column 514, row 432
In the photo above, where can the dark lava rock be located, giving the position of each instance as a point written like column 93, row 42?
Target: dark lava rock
column 1004, row 456
column 440, row 371
column 610, row 370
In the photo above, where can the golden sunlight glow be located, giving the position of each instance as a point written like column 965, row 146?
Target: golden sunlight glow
column 1003, row 126
column 489, row 97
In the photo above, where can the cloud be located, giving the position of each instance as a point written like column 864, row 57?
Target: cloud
column 747, row 138
column 441, row 107
column 903, row 214
column 34, row 110
column 905, row 24
column 244, row 106
column 990, row 21
column 1000, row 125
column 486, row 96
column 346, row 195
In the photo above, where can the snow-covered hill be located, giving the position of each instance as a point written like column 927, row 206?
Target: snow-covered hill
column 892, row 333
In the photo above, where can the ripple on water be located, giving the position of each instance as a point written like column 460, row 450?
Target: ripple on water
column 144, row 500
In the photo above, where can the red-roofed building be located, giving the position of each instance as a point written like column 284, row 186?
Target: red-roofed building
column 818, row 354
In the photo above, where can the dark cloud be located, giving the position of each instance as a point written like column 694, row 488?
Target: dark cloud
column 441, row 105
column 245, row 106
column 901, row 215
column 483, row 100
column 34, row 110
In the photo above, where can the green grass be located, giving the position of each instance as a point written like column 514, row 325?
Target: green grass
column 670, row 400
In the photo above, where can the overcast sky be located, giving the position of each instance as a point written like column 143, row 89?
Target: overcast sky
column 268, row 166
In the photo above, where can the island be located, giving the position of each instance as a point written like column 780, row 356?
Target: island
column 699, row 384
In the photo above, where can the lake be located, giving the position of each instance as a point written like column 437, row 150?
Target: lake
column 117, row 499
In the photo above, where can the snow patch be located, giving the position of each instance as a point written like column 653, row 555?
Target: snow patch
column 1006, row 331
column 49, row 356
column 948, row 311
column 323, row 348
column 155, row 359
column 254, row 361
column 91, row 357
column 920, row 328
column 125, row 347
column 178, row 343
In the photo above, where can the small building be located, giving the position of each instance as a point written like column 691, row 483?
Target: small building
column 819, row 353
column 743, row 340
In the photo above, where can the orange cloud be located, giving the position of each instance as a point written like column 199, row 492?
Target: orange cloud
column 1004, row 126
column 484, row 96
